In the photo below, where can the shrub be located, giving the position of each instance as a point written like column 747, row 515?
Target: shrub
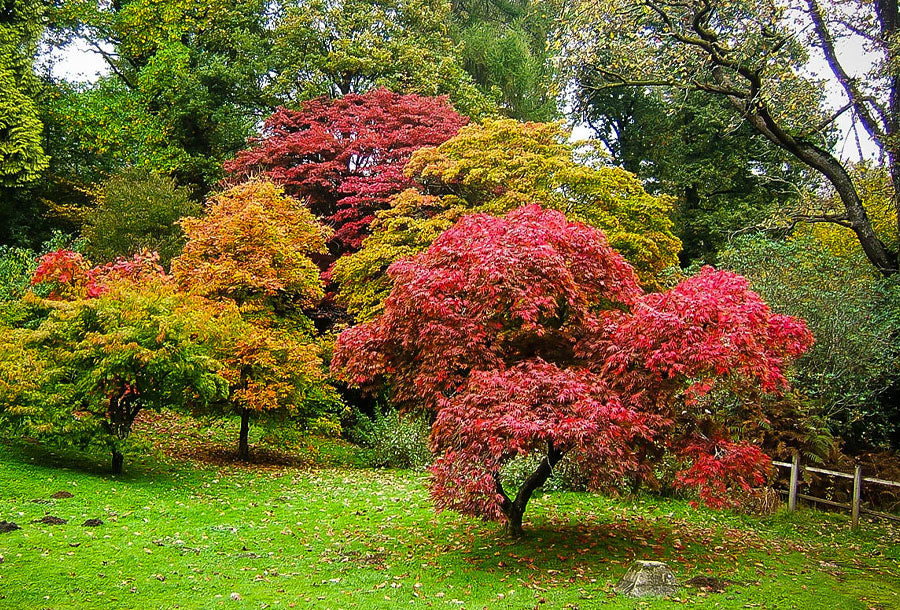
column 138, row 210
column 92, row 364
column 854, row 315
column 397, row 441
column 17, row 265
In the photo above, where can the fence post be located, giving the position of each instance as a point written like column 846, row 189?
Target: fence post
column 857, row 492
column 795, row 473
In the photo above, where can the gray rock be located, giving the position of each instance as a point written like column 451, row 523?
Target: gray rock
column 648, row 579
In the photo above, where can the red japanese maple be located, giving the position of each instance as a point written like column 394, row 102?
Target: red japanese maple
column 529, row 335
column 63, row 272
column 346, row 156
column 69, row 275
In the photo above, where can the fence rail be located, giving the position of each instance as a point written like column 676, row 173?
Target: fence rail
column 855, row 502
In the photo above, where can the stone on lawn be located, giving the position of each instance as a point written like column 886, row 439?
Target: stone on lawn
column 648, row 579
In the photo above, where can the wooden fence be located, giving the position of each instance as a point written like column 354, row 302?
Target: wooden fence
column 858, row 480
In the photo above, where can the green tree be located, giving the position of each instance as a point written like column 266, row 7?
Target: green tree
column 185, row 82
column 91, row 365
column 22, row 158
column 504, row 46
column 138, row 211
column 724, row 176
column 352, row 46
column 753, row 55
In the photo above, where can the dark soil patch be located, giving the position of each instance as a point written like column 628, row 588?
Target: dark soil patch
column 60, row 495
column 92, row 523
column 51, row 520
column 708, row 582
column 8, row 526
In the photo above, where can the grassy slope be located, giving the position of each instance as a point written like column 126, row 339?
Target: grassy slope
column 179, row 535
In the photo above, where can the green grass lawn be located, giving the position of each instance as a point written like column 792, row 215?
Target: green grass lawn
column 180, row 533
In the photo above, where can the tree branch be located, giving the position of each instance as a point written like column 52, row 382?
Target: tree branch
column 111, row 62
column 876, row 128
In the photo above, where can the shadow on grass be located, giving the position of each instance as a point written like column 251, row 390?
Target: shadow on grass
column 140, row 464
column 213, row 444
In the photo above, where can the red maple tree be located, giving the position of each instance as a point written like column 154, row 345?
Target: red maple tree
column 345, row 156
column 67, row 275
column 529, row 335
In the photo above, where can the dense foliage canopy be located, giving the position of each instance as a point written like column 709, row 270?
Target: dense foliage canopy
column 345, row 157
column 138, row 211
column 252, row 250
column 495, row 166
column 530, row 334
column 94, row 362
column 334, row 214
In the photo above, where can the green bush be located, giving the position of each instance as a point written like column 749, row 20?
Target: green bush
column 854, row 315
column 138, row 210
column 396, row 440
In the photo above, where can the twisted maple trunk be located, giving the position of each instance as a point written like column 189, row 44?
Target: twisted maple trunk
column 514, row 510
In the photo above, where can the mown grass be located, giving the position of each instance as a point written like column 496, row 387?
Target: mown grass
column 303, row 533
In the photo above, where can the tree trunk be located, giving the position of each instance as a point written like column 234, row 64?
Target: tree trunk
column 514, row 523
column 514, row 510
column 889, row 17
column 826, row 164
column 121, row 413
column 118, row 460
column 819, row 159
column 244, row 442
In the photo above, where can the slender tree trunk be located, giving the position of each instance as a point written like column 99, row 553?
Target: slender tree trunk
column 244, row 442
column 121, row 413
column 514, row 510
column 118, row 460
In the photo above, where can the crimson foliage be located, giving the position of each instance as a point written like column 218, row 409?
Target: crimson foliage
column 346, row 156
column 68, row 275
column 529, row 334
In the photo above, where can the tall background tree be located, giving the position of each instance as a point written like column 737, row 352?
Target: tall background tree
column 504, row 45
column 752, row 55
column 326, row 48
column 724, row 176
column 184, row 87
column 22, row 157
